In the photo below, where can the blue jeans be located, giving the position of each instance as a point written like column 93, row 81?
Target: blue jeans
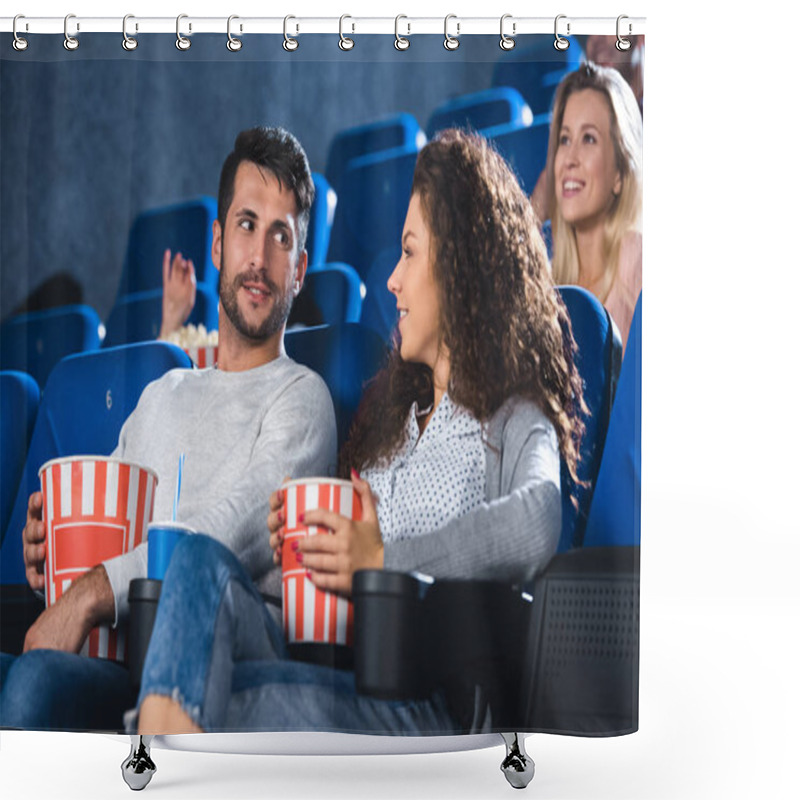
column 218, row 651
column 53, row 690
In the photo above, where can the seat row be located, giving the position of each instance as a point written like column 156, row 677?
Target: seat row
column 356, row 222
column 361, row 198
column 89, row 395
column 35, row 342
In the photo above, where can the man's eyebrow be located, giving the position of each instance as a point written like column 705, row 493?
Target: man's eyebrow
column 246, row 212
column 282, row 224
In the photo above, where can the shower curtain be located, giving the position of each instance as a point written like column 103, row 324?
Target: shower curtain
column 98, row 141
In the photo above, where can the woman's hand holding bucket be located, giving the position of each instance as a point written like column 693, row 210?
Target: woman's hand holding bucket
column 330, row 561
column 321, row 531
column 356, row 544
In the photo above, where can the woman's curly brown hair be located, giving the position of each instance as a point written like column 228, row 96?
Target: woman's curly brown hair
column 504, row 324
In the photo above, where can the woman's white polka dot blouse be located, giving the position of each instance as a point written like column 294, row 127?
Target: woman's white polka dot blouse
column 433, row 478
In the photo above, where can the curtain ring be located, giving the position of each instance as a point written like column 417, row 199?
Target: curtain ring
column 19, row 42
column 128, row 42
column 507, row 42
column 344, row 42
column 233, row 44
column 289, row 44
column 70, row 42
column 451, row 42
column 182, row 43
column 623, row 44
column 400, row 42
column 560, row 43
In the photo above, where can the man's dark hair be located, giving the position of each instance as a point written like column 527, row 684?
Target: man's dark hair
column 278, row 151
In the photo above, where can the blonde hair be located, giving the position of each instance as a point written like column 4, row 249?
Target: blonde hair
column 626, row 135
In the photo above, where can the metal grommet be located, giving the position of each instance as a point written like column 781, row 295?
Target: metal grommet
column 233, row 44
column 400, row 42
column 19, row 42
column 560, row 43
column 289, row 44
column 128, row 42
column 182, row 43
column 507, row 42
column 623, row 44
column 451, row 42
column 70, row 42
column 344, row 42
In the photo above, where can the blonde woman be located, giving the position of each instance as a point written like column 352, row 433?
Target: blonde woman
column 593, row 189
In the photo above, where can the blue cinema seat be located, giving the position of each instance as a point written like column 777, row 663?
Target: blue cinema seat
column 137, row 317
column 525, row 149
column 615, row 514
column 19, row 401
column 320, row 220
column 84, row 404
column 598, row 362
column 346, row 356
column 35, row 342
column 500, row 105
column 397, row 131
column 536, row 70
column 379, row 312
column 373, row 200
column 332, row 294
column 184, row 227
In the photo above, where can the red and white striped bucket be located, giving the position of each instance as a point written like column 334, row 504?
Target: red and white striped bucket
column 203, row 356
column 94, row 508
column 310, row 614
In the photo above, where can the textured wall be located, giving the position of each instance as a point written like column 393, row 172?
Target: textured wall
column 90, row 138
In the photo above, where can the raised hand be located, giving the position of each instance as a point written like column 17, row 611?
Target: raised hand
column 180, row 291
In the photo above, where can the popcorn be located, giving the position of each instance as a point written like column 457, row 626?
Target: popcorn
column 192, row 336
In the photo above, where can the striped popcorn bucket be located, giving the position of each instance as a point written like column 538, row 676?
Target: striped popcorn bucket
column 311, row 615
column 203, row 356
column 94, row 508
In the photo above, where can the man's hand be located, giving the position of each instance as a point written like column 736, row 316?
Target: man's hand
column 33, row 544
column 180, row 290
column 66, row 624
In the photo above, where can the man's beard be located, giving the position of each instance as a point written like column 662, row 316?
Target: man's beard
column 281, row 304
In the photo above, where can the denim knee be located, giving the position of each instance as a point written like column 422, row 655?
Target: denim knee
column 199, row 557
column 50, row 689
column 32, row 685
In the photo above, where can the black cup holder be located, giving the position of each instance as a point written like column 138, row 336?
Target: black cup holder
column 414, row 635
column 143, row 594
column 388, row 635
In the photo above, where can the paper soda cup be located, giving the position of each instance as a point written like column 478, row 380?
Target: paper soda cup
column 311, row 615
column 203, row 356
column 162, row 537
column 94, row 508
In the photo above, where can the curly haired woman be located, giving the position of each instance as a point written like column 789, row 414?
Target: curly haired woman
column 459, row 440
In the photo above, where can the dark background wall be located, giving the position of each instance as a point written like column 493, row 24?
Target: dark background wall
column 90, row 138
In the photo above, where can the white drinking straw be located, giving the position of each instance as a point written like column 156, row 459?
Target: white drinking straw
column 178, row 488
